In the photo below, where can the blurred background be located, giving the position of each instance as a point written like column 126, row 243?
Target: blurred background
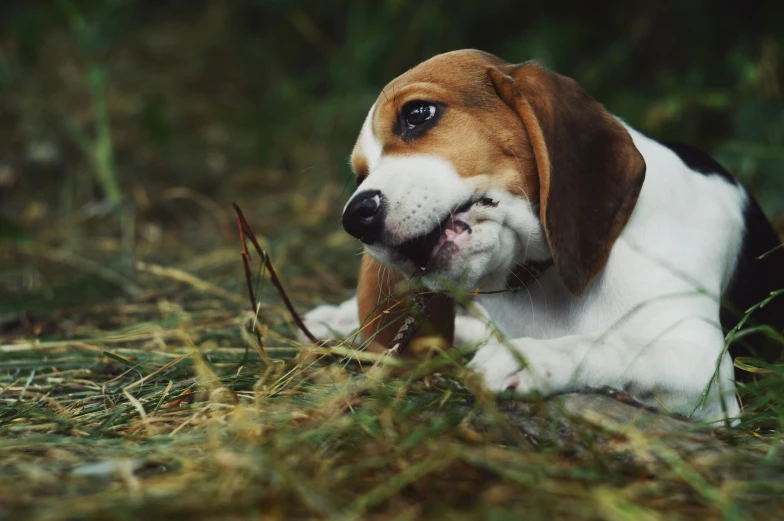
column 127, row 127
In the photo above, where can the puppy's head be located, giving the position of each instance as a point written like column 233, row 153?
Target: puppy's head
column 467, row 165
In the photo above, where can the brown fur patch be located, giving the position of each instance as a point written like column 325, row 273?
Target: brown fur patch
column 590, row 172
column 359, row 165
column 381, row 309
column 477, row 133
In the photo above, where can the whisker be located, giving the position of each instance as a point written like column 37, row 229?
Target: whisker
column 530, row 297
column 544, row 293
column 378, row 282
column 390, row 290
column 438, row 221
column 366, row 270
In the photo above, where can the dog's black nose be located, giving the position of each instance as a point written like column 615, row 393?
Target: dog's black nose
column 364, row 216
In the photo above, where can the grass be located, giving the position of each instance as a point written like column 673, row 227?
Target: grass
column 160, row 406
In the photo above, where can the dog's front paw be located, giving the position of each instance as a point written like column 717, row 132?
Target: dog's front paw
column 332, row 322
column 516, row 367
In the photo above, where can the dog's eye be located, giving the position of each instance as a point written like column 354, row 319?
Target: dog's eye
column 417, row 117
column 417, row 112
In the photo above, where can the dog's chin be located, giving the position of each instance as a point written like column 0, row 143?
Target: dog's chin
column 451, row 268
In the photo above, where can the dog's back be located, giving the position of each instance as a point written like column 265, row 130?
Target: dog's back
column 758, row 272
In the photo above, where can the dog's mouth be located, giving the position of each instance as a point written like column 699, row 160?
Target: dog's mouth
column 426, row 249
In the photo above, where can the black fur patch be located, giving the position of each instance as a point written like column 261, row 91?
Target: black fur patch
column 753, row 281
column 698, row 160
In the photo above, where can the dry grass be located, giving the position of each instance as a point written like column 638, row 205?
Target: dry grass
column 159, row 406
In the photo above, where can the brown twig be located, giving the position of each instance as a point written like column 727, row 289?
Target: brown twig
column 249, row 280
column 246, row 232
column 418, row 305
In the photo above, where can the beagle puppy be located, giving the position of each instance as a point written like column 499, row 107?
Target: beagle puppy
column 600, row 256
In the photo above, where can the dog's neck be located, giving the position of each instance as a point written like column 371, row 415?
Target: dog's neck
column 524, row 274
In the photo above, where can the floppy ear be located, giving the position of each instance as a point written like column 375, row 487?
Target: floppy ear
column 590, row 172
column 381, row 309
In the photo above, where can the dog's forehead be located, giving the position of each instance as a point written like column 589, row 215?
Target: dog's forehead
column 461, row 75
column 477, row 134
column 457, row 77
column 457, row 69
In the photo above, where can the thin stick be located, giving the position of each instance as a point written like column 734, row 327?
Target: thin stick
column 419, row 310
column 249, row 279
column 245, row 231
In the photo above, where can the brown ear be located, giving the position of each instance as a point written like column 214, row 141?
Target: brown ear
column 590, row 172
column 381, row 308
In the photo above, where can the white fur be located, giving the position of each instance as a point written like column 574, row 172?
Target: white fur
column 342, row 321
column 331, row 322
column 419, row 191
column 370, row 145
column 648, row 323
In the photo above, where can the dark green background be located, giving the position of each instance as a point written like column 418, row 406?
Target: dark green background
column 210, row 94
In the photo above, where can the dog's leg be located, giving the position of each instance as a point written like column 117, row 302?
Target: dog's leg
column 377, row 311
column 671, row 371
column 382, row 307
column 332, row 322
column 342, row 321
column 473, row 327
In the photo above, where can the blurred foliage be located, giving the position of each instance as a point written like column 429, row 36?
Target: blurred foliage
column 289, row 82
column 177, row 108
